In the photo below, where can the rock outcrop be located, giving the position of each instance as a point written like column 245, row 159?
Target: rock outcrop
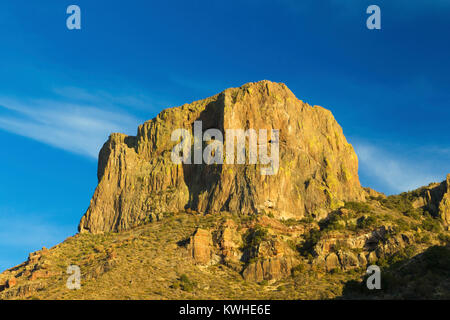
column 268, row 269
column 229, row 240
column 444, row 205
column 435, row 198
column 318, row 169
column 200, row 246
column 273, row 260
column 346, row 252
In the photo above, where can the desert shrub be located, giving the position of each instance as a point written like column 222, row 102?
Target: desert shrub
column 366, row 222
column 339, row 245
column 402, row 225
column 282, row 287
column 306, row 248
column 358, row 207
column 431, row 224
column 444, row 237
column 425, row 238
column 253, row 237
column 400, row 256
column 298, row 269
column 414, row 213
column 307, row 219
column 290, row 222
column 399, row 203
column 333, row 222
column 247, row 218
column 291, row 244
column 186, row 284
column 168, row 214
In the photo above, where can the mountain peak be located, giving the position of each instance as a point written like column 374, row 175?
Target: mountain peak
column 316, row 168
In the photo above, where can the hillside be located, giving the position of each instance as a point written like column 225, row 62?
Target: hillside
column 160, row 230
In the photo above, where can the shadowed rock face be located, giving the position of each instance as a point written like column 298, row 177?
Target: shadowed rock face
column 318, row 169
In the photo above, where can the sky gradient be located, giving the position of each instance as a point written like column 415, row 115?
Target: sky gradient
column 62, row 92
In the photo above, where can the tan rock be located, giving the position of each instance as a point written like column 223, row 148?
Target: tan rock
column 41, row 274
column 362, row 261
column 435, row 198
column 348, row 259
column 374, row 193
column 332, row 262
column 268, row 269
column 444, row 206
column 200, row 246
column 318, row 167
column 372, row 257
column 11, row 282
column 230, row 241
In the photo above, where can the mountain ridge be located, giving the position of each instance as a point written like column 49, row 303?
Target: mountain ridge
column 162, row 230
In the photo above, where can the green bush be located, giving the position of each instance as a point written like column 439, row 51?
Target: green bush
column 298, row 269
column 263, row 283
column 306, row 248
column 366, row 222
column 334, row 221
column 307, row 219
column 339, row 245
column 290, row 222
column 401, row 203
column 413, row 213
column 444, row 237
column 431, row 224
column 402, row 225
column 253, row 237
column 425, row 238
column 358, row 207
column 186, row 284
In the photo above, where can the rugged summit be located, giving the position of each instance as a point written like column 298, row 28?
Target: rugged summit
column 138, row 182
column 223, row 231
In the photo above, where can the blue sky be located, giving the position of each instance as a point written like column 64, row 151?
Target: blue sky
column 62, row 92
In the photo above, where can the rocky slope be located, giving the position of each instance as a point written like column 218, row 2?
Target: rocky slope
column 159, row 230
column 226, row 256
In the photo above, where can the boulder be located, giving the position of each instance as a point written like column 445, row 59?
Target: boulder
column 200, row 246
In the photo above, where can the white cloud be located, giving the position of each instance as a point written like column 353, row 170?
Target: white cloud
column 78, row 128
column 395, row 171
column 136, row 100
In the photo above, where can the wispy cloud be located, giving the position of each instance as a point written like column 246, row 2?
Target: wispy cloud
column 135, row 100
column 76, row 127
column 394, row 171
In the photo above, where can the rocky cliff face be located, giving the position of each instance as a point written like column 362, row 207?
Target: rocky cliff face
column 318, row 169
column 435, row 198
